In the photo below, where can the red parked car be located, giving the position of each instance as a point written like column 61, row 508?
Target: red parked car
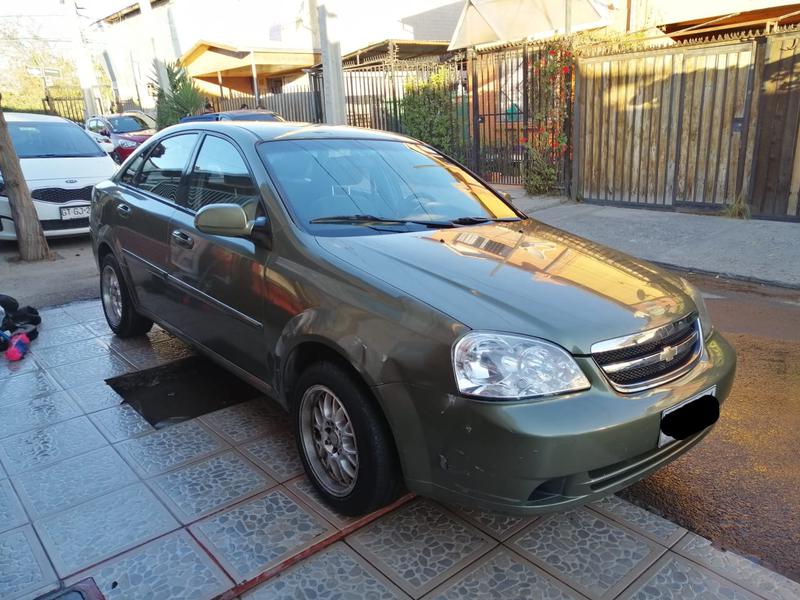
column 126, row 131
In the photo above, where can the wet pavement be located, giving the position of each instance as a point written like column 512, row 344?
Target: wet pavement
column 740, row 486
column 217, row 506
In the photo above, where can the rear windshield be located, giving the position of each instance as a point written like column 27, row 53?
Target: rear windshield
column 52, row 139
column 251, row 117
column 323, row 178
column 128, row 123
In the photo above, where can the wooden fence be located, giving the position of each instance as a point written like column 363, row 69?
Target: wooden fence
column 696, row 125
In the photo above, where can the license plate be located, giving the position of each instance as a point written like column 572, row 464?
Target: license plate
column 665, row 438
column 74, row 212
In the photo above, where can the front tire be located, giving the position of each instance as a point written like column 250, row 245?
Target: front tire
column 344, row 441
column 120, row 314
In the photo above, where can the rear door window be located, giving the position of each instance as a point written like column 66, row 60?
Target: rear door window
column 162, row 170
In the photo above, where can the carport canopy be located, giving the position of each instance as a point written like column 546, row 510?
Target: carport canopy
column 487, row 21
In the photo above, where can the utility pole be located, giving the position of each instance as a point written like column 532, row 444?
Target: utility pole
column 161, row 69
column 332, row 73
column 83, row 58
column 254, row 73
column 567, row 17
column 30, row 237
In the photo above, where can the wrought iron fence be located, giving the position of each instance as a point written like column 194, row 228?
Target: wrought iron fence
column 71, row 107
column 298, row 104
column 302, row 103
column 486, row 109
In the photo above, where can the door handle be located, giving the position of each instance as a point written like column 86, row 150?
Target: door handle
column 124, row 210
column 183, row 239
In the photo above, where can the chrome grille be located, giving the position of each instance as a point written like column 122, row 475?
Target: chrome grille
column 643, row 360
column 61, row 195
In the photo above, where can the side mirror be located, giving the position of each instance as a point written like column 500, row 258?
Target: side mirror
column 223, row 219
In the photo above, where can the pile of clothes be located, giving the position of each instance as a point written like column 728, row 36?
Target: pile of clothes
column 17, row 327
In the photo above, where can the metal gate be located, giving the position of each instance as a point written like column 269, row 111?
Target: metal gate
column 520, row 104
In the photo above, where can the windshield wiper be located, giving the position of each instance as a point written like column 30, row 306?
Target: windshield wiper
column 368, row 220
column 478, row 219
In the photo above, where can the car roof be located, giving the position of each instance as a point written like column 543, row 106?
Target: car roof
column 31, row 117
column 122, row 114
column 288, row 130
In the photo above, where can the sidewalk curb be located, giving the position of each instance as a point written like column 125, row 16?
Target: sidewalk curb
column 728, row 276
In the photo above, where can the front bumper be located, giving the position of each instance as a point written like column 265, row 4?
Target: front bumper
column 49, row 216
column 539, row 456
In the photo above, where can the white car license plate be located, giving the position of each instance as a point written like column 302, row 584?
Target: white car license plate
column 74, row 212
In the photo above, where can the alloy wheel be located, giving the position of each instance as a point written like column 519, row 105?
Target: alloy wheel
column 112, row 296
column 328, row 440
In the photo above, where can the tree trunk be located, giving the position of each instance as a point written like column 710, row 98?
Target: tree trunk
column 30, row 237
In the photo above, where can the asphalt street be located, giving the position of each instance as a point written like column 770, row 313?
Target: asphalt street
column 740, row 486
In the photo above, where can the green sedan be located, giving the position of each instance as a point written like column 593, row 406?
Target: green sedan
column 423, row 333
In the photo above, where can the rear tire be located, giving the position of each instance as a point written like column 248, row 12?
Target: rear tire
column 120, row 314
column 344, row 441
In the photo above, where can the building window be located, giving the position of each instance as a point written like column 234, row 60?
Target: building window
column 275, row 85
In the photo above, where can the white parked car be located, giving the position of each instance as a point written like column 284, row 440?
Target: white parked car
column 61, row 164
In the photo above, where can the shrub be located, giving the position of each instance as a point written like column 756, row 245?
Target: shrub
column 428, row 111
column 738, row 209
column 182, row 99
column 539, row 175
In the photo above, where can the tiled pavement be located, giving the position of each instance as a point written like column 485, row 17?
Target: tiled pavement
column 89, row 489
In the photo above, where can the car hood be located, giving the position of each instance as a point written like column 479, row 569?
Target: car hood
column 87, row 170
column 522, row 277
column 137, row 136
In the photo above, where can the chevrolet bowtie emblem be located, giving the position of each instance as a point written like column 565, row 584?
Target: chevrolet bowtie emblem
column 667, row 354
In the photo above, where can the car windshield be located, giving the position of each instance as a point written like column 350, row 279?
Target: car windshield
column 347, row 186
column 128, row 123
column 48, row 139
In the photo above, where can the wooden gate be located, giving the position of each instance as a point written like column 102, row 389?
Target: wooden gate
column 666, row 126
column 776, row 174
column 692, row 126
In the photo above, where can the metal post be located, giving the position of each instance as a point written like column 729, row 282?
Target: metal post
column 255, row 78
column 83, row 59
column 219, row 83
column 333, row 82
column 395, row 126
column 476, row 134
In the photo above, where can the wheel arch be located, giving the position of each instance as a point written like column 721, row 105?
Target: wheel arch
column 314, row 349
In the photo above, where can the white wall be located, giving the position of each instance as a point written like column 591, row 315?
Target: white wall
column 255, row 23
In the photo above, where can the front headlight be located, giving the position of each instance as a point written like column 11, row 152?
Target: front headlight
column 505, row 366
column 700, row 303
column 128, row 144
